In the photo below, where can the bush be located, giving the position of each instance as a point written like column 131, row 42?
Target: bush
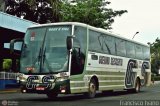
column 7, row 63
column 155, row 78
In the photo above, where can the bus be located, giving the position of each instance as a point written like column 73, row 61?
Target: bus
column 72, row 57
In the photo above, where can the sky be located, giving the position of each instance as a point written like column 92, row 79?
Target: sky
column 143, row 16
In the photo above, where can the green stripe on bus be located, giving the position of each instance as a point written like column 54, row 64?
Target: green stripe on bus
column 111, row 83
column 110, row 87
column 78, row 90
column 105, row 73
column 110, row 78
column 77, row 84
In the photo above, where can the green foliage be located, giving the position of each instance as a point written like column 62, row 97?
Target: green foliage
column 155, row 56
column 7, row 64
column 92, row 12
column 155, row 78
column 2, row 5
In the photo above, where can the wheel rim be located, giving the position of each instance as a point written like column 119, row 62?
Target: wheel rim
column 137, row 87
column 92, row 89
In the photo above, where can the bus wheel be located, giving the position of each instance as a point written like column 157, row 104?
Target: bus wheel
column 52, row 95
column 92, row 89
column 137, row 86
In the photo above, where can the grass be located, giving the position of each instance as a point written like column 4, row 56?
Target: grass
column 155, row 78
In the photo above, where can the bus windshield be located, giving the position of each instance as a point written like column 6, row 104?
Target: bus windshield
column 44, row 50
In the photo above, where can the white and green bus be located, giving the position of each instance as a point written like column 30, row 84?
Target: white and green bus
column 71, row 57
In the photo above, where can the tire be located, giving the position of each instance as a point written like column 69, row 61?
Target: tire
column 137, row 86
column 52, row 95
column 92, row 89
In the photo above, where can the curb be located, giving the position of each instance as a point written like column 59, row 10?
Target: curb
column 9, row 91
column 155, row 82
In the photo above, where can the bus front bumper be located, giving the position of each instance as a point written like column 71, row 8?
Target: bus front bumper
column 59, row 87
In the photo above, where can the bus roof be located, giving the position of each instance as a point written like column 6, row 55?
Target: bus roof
column 90, row 27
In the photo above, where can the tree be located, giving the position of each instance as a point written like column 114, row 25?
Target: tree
column 7, row 64
column 34, row 10
column 155, row 56
column 2, row 5
column 92, row 12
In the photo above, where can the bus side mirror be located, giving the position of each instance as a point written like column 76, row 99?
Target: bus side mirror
column 13, row 42
column 69, row 42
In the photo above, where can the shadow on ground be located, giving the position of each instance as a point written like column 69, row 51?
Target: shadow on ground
column 77, row 97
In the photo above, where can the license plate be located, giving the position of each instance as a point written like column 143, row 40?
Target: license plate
column 40, row 88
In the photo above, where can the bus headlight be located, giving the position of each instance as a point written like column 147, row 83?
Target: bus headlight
column 17, row 79
column 21, row 78
column 61, row 78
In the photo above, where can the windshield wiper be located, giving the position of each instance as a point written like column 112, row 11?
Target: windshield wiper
column 44, row 55
column 45, row 60
column 38, row 59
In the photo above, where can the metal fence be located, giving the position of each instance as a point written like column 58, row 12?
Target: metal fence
column 8, row 75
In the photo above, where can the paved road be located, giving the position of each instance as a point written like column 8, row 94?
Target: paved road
column 117, row 98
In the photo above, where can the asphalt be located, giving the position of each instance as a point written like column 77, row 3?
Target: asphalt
column 15, row 90
column 149, row 96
